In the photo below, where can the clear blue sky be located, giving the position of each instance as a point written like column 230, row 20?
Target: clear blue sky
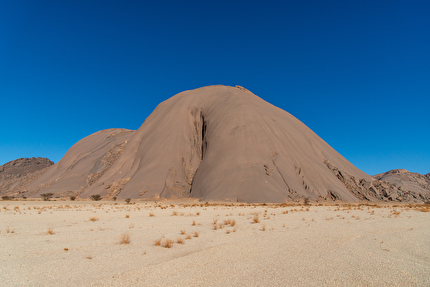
column 355, row 72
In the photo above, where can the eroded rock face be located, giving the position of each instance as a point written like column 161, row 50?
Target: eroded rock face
column 412, row 183
column 396, row 185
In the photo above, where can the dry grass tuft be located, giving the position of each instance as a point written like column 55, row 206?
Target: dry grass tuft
column 188, row 236
column 127, row 216
column 125, row 239
column 180, row 240
column 50, row 231
column 174, row 213
column 151, row 214
column 183, row 231
column 94, row 219
column 196, row 234
column 168, row 243
column 256, row 219
column 157, row 242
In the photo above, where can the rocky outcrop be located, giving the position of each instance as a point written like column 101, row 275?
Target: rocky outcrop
column 212, row 143
column 415, row 184
column 16, row 175
column 217, row 143
column 394, row 189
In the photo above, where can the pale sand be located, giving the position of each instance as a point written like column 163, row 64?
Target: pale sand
column 326, row 245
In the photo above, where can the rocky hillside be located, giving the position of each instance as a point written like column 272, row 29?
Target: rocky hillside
column 412, row 182
column 16, row 175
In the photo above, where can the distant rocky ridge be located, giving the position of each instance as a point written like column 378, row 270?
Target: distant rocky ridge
column 418, row 185
column 16, row 175
column 214, row 143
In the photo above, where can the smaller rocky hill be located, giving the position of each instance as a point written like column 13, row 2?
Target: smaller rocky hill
column 414, row 182
column 16, row 175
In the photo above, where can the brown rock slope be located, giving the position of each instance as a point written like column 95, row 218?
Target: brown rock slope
column 212, row 143
column 17, row 174
column 83, row 164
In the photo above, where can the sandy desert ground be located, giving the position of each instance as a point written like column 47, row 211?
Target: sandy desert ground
column 73, row 243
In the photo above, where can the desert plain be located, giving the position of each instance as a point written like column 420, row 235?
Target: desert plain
column 190, row 243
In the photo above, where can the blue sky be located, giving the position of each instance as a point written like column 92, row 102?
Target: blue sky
column 356, row 72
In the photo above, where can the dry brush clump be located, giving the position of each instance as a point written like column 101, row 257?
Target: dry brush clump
column 125, row 238
column 157, row 242
column 167, row 243
column 180, row 240
column 94, row 218
column 50, row 231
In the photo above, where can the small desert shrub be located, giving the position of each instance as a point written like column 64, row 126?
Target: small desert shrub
column 96, row 197
column 188, row 236
column 50, row 231
column 46, row 196
column 72, row 197
column 256, row 219
column 66, row 249
column 94, row 218
column 174, row 213
column 180, row 240
column 263, row 227
column 157, row 241
column 6, row 197
column 127, row 200
column 167, row 243
column 151, row 214
column 125, row 239
column 127, row 216
column 183, row 231
column 114, row 198
column 196, row 234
